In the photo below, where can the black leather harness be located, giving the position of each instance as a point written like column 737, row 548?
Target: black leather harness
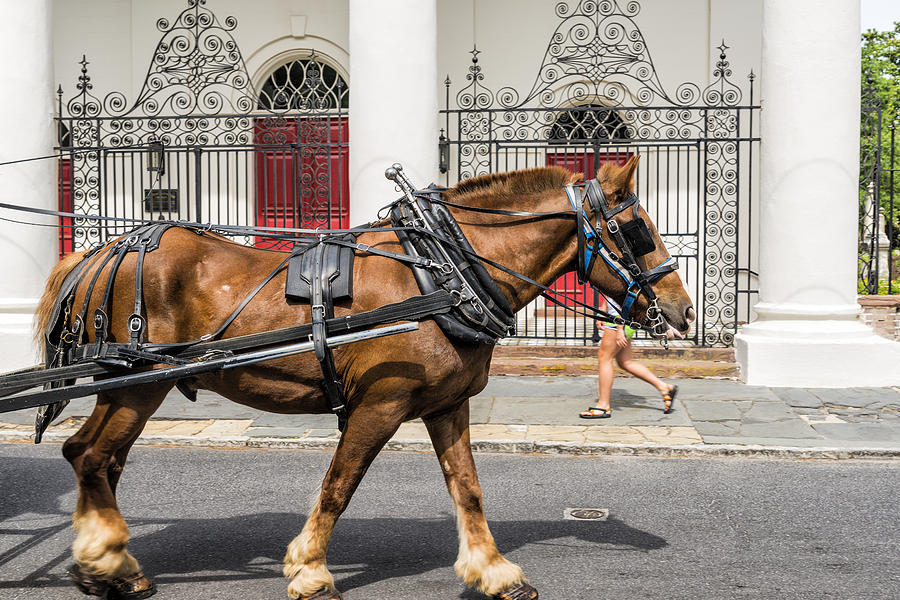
column 481, row 312
column 319, row 274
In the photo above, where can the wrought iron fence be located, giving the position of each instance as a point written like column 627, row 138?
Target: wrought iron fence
column 199, row 143
column 598, row 98
column 879, row 216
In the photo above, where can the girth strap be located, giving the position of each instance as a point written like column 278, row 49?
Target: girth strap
column 322, row 308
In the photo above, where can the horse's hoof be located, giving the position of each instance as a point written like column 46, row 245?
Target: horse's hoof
column 324, row 594
column 133, row 587
column 523, row 591
column 87, row 583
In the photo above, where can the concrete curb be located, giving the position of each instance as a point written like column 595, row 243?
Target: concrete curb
column 507, row 447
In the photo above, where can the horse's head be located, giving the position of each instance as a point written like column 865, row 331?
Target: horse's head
column 613, row 277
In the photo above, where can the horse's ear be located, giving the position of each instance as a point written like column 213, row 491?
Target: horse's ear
column 625, row 176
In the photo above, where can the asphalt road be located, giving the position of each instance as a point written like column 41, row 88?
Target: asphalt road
column 214, row 524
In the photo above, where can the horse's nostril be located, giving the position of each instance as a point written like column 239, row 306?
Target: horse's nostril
column 689, row 314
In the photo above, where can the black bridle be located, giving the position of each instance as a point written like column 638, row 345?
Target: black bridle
column 633, row 239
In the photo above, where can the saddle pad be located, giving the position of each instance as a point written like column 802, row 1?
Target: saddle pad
column 337, row 269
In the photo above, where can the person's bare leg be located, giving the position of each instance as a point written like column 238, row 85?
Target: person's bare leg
column 605, row 352
column 625, row 359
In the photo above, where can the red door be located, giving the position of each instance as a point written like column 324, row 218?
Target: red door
column 581, row 162
column 301, row 175
column 66, row 229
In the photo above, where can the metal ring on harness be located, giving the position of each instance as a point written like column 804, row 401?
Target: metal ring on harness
column 136, row 323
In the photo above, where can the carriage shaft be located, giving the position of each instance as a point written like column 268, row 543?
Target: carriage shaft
column 42, row 397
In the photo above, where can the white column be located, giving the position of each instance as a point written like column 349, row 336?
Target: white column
column 393, row 99
column 27, row 253
column 807, row 333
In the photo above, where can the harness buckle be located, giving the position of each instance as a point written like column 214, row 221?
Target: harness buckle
column 612, row 226
column 215, row 354
column 457, row 296
column 135, row 323
column 315, row 307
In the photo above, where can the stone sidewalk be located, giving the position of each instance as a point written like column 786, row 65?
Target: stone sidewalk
column 540, row 414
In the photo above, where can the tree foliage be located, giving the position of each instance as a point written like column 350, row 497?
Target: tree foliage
column 881, row 66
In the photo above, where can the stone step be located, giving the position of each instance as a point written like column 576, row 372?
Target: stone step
column 687, row 362
column 665, row 368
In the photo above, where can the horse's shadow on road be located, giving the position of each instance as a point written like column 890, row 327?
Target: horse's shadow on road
column 363, row 550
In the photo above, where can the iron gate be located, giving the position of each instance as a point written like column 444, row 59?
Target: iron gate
column 200, row 143
column 879, row 222
column 598, row 98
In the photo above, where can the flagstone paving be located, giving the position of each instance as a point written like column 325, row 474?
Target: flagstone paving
column 542, row 410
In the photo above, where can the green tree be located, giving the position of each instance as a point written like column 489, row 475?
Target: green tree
column 881, row 66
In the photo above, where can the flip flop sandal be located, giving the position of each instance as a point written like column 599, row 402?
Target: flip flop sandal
column 669, row 398
column 594, row 412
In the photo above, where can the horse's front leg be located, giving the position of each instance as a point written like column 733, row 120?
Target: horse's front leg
column 479, row 563
column 366, row 433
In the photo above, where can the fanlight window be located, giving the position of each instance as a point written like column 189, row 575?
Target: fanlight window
column 589, row 123
column 305, row 84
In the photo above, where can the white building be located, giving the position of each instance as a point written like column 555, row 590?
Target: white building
column 286, row 112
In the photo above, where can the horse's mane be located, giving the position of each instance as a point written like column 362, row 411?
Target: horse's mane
column 513, row 183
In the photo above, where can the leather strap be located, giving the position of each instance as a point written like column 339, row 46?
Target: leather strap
column 322, row 308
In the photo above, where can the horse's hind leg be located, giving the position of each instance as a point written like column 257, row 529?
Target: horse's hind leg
column 479, row 562
column 97, row 453
column 365, row 435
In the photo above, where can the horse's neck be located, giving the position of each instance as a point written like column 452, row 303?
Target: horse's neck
column 540, row 249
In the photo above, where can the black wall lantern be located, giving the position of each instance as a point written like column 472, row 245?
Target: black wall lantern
column 443, row 153
column 156, row 160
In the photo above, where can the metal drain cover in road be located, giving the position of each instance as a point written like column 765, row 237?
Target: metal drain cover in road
column 586, row 514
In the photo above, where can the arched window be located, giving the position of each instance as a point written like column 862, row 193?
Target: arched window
column 588, row 124
column 304, row 84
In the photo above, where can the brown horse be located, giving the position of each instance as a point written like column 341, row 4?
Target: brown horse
column 193, row 282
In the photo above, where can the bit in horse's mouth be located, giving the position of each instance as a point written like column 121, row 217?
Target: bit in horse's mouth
column 673, row 333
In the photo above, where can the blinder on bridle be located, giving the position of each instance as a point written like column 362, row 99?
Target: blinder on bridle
column 638, row 236
column 633, row 239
